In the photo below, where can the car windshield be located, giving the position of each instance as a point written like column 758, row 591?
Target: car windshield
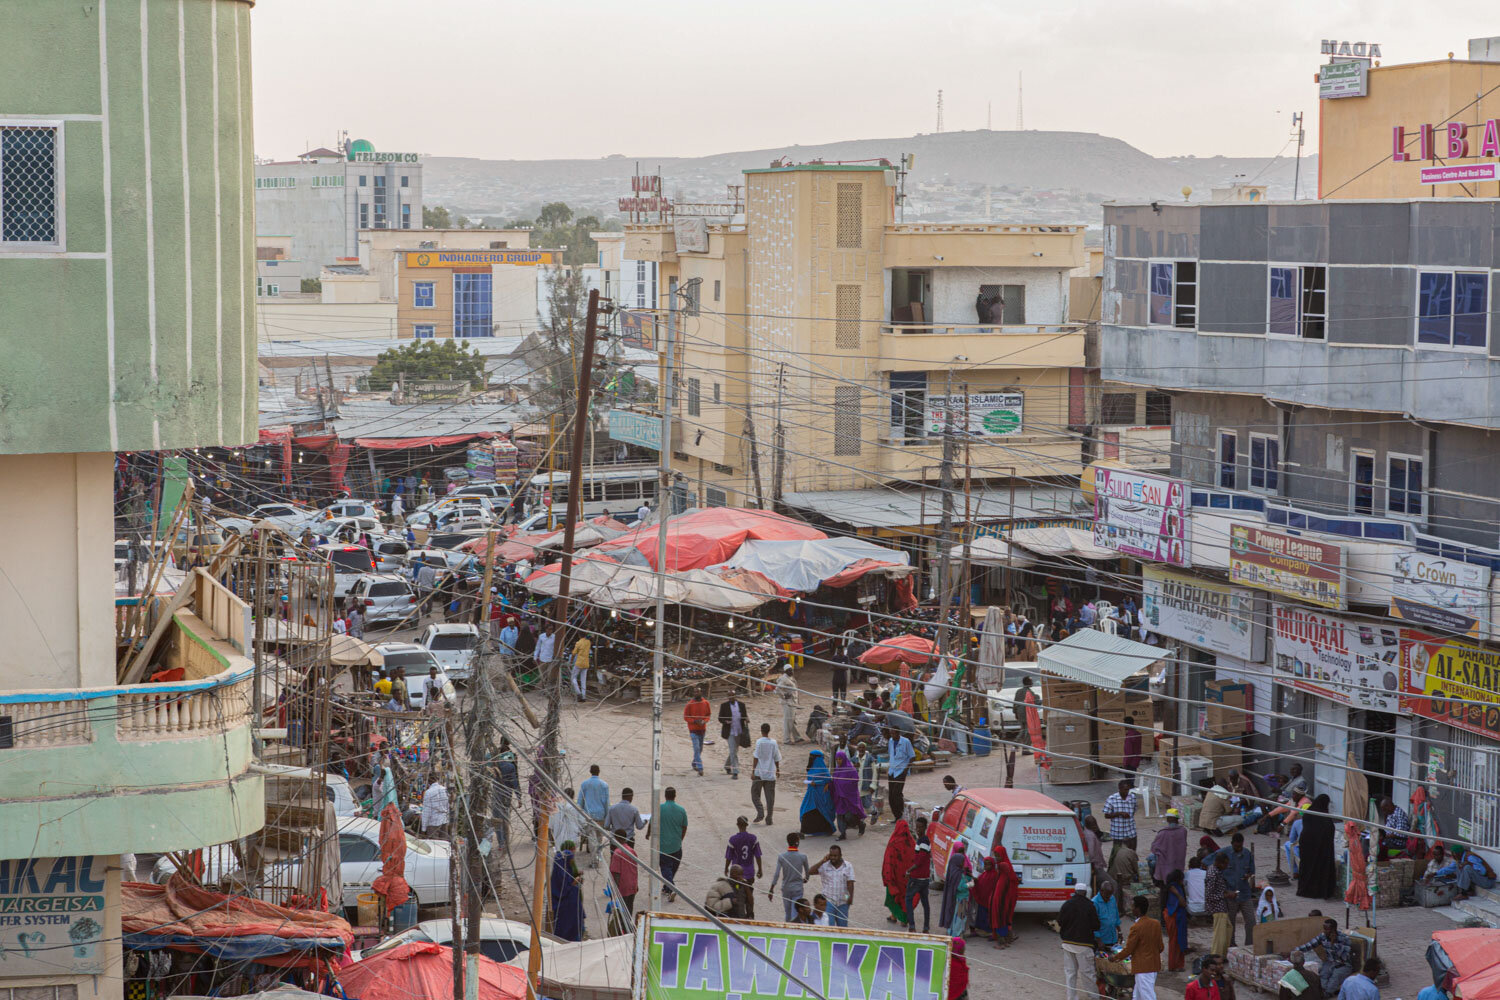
column 355, row 560
column 411, row 660
column 387, row 589
column 462, row 641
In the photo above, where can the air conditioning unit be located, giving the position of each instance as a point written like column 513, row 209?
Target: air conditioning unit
column 1193, row 773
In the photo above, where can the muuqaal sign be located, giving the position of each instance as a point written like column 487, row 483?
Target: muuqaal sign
column 689, row 958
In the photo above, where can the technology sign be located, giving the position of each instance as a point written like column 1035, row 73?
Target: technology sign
column 52, row 916
column 1348, row 662
column 689, row 958
column 1141, row 515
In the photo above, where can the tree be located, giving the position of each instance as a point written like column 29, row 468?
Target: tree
column 312, row 285
column 554, row 215
column 436, row 217
column 447, row 360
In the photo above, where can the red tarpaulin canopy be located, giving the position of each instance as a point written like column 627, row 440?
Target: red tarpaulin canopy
column 707, row 537
column 421, row 969
column 901, row 648
column 395, row 444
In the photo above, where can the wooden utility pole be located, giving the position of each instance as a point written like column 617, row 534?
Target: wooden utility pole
column 480, row 744
column 778, row 462
column 658, row 655
column 965, row 618
column 945, row 526
column 553, row 722
column 760, row 494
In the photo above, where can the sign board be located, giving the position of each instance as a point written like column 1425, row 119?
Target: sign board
column 1438, row 669
column 689, row 958
column 1290, row 565
column 1206, row 613
column 991, row 414
column 52, row 916
column 1352, row 663
column 638, row 329
column 691, row 234
column 479, row 258
column 635, row 428
column 1460, row 173
column 1441, row 592
column 1141, row 515
column 370, row 156
column 1343, row 79
column 1339, row 49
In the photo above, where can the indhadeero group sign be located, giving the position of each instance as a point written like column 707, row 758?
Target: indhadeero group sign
column 689, row 958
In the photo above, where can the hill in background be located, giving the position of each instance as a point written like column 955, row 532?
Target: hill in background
column 1030, row 176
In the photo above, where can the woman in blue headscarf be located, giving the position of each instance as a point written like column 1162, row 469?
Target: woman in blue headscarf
column 567, row 900
column 818, row 817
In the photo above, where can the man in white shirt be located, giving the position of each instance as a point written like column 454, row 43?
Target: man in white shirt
column 1194, row 880
column 432, row 688
column 838, row 884
column 786, row 691
column 767, row 769
column 642, row 513
column 435, row 811
column 546, row 649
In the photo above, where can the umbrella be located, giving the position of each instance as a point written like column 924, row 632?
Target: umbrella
column 391, row 883
column 905, row 648
column 423, row 969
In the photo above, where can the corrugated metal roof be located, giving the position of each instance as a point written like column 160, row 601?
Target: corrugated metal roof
column 488, row 347
column 369, row 418
column 899, row 507
column 1098, row 658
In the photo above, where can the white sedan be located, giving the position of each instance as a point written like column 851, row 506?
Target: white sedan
column 501, row 940
column 287, row 517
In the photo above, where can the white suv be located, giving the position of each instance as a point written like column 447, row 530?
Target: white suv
column 383, row 597
column 455, row 647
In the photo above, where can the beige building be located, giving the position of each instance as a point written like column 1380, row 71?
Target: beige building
column 820, row 349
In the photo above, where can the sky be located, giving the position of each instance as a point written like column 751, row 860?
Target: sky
column 586, row 78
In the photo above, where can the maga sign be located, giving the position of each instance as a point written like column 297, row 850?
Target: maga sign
column 689, row 958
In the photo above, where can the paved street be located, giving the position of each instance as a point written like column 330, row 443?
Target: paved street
column 618, row 738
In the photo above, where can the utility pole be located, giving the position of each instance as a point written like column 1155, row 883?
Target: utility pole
column 479, row 741
column 1297, row 172
column 966, row 597
column 760, row 494
column 333, row 402
column 553, row 722
column 658, row 655
column 945, row 528
column 778, row 463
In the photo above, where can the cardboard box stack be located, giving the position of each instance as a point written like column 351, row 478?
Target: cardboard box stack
column 1113, row 708
column 1070, row 730
column 1226, row 753
column 1227, row 706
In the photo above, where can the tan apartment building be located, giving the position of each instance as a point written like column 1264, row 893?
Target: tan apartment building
column 817, row 358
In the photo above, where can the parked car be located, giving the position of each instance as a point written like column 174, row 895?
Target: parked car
column 455, row 647
column 501, row 940
column 390, row 553
column 285, row 516
column 195, row 545
column 1041, row 835
column 346, row 529
column 383, row 597
column 348, row 508
column 415, row 662
column 417, row 516
column 336, row 787
column 350, row 562
column 122, row 553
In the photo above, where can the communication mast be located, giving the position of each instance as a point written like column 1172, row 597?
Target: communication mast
column 940, row 111
column 1020, row 116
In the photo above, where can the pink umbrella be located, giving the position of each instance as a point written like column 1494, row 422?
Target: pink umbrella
column 902, row 648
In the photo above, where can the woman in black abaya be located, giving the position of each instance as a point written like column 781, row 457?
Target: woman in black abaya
column 1318, row 877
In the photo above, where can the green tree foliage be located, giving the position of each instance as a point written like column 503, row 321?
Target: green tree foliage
column 447, row 360
column 557, row 226
column 436, row 217
column 312, row 285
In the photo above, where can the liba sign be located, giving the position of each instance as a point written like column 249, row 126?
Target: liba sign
column 689, row 958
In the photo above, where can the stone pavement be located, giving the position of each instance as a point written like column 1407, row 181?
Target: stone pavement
column 618, row 738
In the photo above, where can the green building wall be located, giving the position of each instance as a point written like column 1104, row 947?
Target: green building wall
column 139, row 333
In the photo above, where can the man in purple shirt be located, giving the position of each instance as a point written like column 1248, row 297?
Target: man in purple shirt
column 744, row 850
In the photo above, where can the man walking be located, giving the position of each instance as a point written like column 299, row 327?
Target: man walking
column 900, row 754
column 1240, row 877
column 734, row 726
column 919, row 880
column 1119, row 808
column 1077, row 923
column 791, row 873
column 624, row 818
column 786, row 692
column 580, row 673
column 435, row 810
column 1143, row 949
column 1169, row 848
column 695, row 713
column 744, row 851
column 838, row 885
column 593, row 796
column 765, row 770
column 671, row 827
column 625, row 874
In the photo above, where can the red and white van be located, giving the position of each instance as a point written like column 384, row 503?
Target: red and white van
column 1041, row 835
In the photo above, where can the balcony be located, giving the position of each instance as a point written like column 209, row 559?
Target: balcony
column 138, row 767
column 1015, row 455
column 984, row 245
column 937, row 346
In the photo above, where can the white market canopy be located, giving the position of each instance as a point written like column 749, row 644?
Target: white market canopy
column 1022, row 546
column 1098, row 658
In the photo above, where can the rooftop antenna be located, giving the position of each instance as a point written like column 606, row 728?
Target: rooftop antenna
column 1020, row 116
column 940, row 111
column 1297, row 173
column 989, row 116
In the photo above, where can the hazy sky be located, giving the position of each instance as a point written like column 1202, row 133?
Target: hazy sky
column 586, row 78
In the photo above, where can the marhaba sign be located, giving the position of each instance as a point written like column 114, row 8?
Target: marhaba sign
column 1208, row 614
column 692, row 959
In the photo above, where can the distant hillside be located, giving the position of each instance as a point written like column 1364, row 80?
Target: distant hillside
column 951, row 169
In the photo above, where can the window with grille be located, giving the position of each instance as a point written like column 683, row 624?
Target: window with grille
column 424, row 331
column 1117, row 408
column 60, row 991
column 421, row 294
column 846, row 403
column 1158, row 408
column 718, row 392
column 715, row 497
column 694, row 397
column 716, row 289
column 723, row 470
column 846, row 316
column 851, row 223
column 30, row 211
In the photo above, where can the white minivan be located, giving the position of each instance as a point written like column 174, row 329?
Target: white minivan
column 1041, row 836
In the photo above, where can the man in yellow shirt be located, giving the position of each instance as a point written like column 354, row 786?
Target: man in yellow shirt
column 580, row 673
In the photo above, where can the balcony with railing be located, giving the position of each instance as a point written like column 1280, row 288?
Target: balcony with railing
column 154, row 766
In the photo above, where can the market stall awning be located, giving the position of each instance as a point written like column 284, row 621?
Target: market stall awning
column 987, row 550
column 237, row 928
column 433, row 441
column 1098, row 658
column 1061, row 542
column 803, row 564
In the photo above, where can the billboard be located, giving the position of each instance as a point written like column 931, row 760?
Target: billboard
column 1442, row 668
column 1206, row 613
column 1343, row 79
column 1441, row 592
column 1290, row 565
column 478, row 258
column 1141, row 515
column 52, row 916
column 1353, row 663
column 635, row 428
column 991, row 414
column 691, row 958
column 638, row 329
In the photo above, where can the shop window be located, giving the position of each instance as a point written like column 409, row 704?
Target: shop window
column 1265, row 462
column 1174, row 294
column 1228, row 459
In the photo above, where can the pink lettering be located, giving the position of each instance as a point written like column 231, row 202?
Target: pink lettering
column 1490, row 145
column 1425, row 145
column 1398, row 144
column 1458, row 145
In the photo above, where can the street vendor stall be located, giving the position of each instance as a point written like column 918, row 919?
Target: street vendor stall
column 1087, row 690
